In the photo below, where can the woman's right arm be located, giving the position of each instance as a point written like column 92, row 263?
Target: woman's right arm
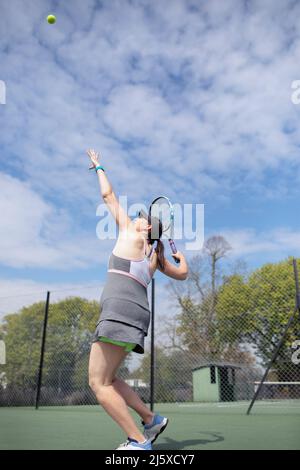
column 108, row 194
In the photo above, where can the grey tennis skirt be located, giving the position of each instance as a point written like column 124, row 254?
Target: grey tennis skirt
column 121, row 332
column 125, row 314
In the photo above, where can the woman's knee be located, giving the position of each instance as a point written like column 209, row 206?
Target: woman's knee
column 97, row 384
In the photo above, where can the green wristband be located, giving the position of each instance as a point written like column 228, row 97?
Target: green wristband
column 99, row 168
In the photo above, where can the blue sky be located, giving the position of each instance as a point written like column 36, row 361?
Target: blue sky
column 191, row 99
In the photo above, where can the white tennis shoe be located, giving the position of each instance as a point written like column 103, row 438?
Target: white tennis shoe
column 132, row 444
column 152, row 430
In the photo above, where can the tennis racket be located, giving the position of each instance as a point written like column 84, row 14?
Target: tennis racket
column 162, row 208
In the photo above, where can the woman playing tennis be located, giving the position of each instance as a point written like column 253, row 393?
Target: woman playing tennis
column 125, row 315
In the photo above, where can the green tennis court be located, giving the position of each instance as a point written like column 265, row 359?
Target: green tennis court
column 192, row 426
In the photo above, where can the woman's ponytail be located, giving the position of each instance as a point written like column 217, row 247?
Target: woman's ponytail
column 160, row 250
column 156, row 231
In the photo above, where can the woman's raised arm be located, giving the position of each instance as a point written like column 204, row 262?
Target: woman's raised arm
column 108, row 194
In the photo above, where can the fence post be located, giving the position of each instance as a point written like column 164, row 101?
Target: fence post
column 297, row 284
column 40, row 374
column 152, row 363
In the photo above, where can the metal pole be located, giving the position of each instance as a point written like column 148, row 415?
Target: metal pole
column 297, row 285
column 152, row 364
column 40, row 375
column 297, row 308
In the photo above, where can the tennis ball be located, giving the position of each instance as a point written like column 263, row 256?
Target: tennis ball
column 51, row 19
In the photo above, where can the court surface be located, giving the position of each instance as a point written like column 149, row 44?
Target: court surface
column 192, row 426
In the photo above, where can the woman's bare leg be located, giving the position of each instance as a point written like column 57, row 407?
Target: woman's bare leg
column 133, row 400
column 105, row 358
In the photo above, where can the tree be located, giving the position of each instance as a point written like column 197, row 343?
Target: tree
column 256, row 309
column 71, row 323
column 22, row 335
column 197, row 322
column 216, row 247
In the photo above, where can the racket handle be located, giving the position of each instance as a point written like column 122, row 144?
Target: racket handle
column 174, row 249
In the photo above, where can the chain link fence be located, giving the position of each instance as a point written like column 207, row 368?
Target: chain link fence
column 217, row 346
column 21, row 334
column 213, row 341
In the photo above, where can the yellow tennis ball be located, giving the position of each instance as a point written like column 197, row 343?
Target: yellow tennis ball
column 51, row 19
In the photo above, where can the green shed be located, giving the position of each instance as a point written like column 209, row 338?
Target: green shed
column 214, row 382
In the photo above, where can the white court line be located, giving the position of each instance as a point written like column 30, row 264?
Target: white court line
column 214, row 405
column 276, row 404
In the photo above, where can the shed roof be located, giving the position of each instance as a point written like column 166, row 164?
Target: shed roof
column 229, row 365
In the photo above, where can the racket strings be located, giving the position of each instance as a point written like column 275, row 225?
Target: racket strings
column 162, row 210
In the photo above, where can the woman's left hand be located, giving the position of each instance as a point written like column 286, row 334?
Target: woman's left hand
column 178, row 255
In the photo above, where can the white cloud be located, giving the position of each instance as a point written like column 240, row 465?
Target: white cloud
column 34, row 233
column 281, row 241
column 79, row 77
